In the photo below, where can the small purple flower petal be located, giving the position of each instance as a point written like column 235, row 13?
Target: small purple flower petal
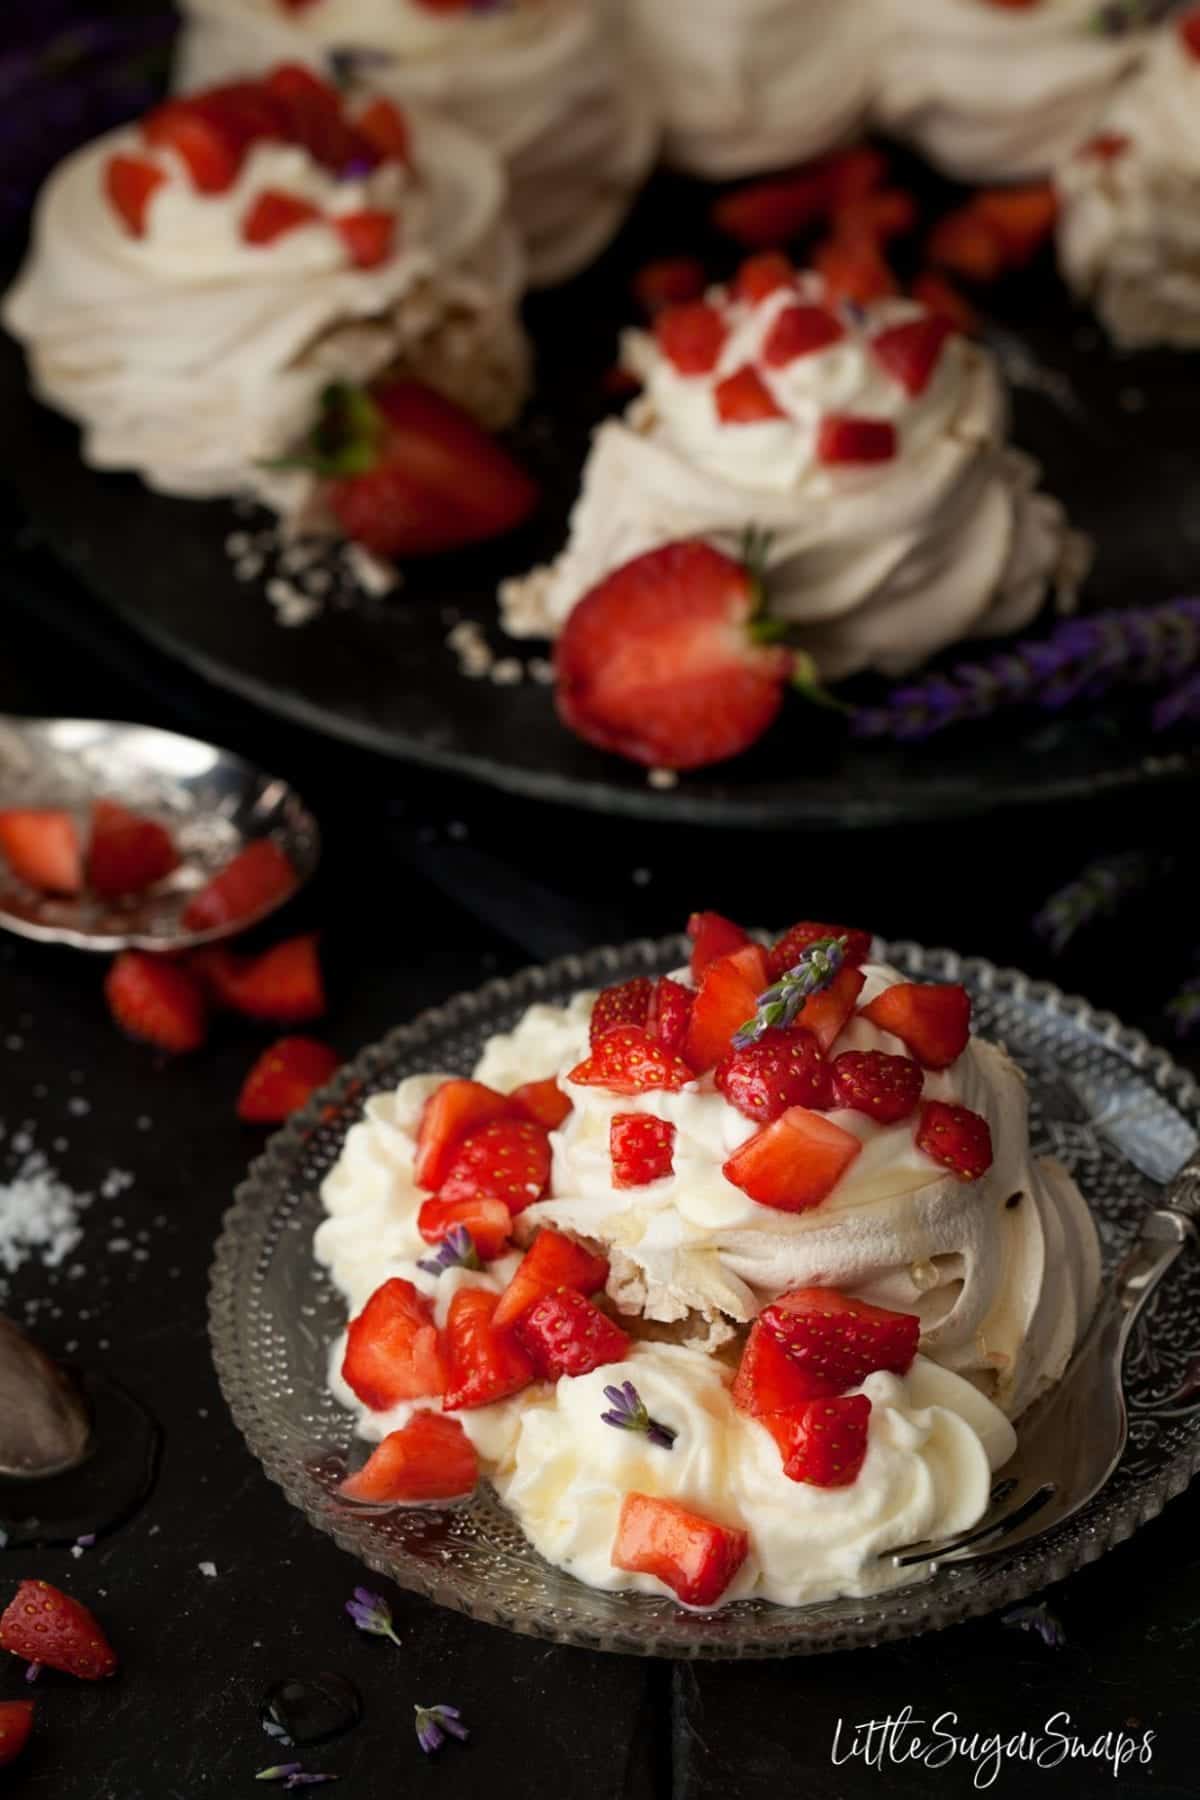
column 279, row 1772
column 433, row 1722
column 86, row 1541
column 371, row 1613
column 456, row 1251
column 1039, row 1619
column 629, row 1414
column 33, row 1671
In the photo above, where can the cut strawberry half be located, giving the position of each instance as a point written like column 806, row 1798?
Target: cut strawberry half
column 795, row 1162
column 508, row 1160
column 764, row 214
column 210, row 144
column 693, row 1556
column 488, row 1221
column 41, row 1624
column 16, row 1723
column 801, row 331
column 157, row 1000
column 564, row 1334
column 836, row 1341
column 41, row 847
column 630, row 1061
column 768, row 1379
column 691, row 337
column 727, row 999
column 392, row 1351
column 826, row 1014
column 127, row 853
column 430, row 1458
column 670, row 1015
column 884, row 1088
column 641, row 1147
column 910, row 352
column 669, row 281
column 386, row 129
column 712, row 936
column 483, row 1363
column 282, row 985
column 253, row 882
column 847, row 439
column 786, row 951
column 956, row 1137
column 285, row 1078
column 825, row 1442
column 130, row 183
column 780, row 1069
column 451, row 1113
column 273, row 214
column 628, row 1003
column 762, row 275
column 553, row 1261
column 369, row 236
column 744, row 398
column 542, row 1101
column 934, row 1022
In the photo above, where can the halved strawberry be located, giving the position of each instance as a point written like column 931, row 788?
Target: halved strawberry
column 768, row 1379
column 712, row 936
column 16, row 1723
column 641, row 1148
column 934, row 1021
column 210, row 144
column 369, row 235
column 392, row 1350
column 854, row 269
column 282, row 984
column 564, row 1334
column 767, row 213
column 848, row 438
column 251, row 883
column 430, row 1458
column 630, row 1061
column 956, row 1137
column 825, row 1442
column 762, row 275
column 885, row 1088
column 669, row 281
column 130, row 183
column 781, row 1069
column 940, row 296
column 451, row 1113
column 385, row 127
column 41, row 1624
column 787, row 950
column 156, row 1000
column 910, row 352
column 691, row 337
column 127, row 853
column 743, row 398
column 508, row 1160
column 625, row 1004
column 836, row 1341
column 795, row 1162
column 488, row 1221
column 285, row 1078
column 826, row 1014
column 726, row 1000
column 801, row 331
column 693, row 1556
column 553, row 1261
column 483, row 1363
column 542, row 1101
column 670, row 1014
column 41, row 847
column 272, row 214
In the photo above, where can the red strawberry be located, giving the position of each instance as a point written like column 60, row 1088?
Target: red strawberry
column 693, row 1556
column 712, row 936
column 670, row 1015
column 786, row 951
column 889, row 213
column 854, row 269
column 553, row 1261
column 825, row 1014
column 669, row 281
column 763, row 214
column 956, row 1137
column 852, row 174
column 629, row 1061
column 782, row 1069
column 130, row 183
column 1023, row 217
column 386, row 129
column 1189, row 32
column 768, row 1379
column 16, row 1723
column 743, row 398
column 564, row 1334
column 542, row 1101
column 968, row 244
column 885, row 1088
column 1106, row 146
column 825, row 1442
column 762, row 275
column 452, row 1112
column 411, row 474
column 836, row 1341
column 727, row 1000
column 626, row 1004
column 691, row 337
column 282, row 984
column 127, row 853
column 392, row 1350
column 641, row 1147
column 483, row 1363
column 911, row 352
column 430, row 1458
column 848, row 438
column 795, row 1162
column 488, row 1221
column 208, row 140
column 251, row 883
column 41, row 848
column 285, row 1078
column 933, row 1021
column 507, row 1160
column 369, row 236
column 294, row 83
column 943, row 298
column 800, row 331
column 156, row 1000
column 43, row 1625
column 273, row 214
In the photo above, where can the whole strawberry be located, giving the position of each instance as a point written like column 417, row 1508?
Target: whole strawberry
column 885, row 1088
column 784, row 1068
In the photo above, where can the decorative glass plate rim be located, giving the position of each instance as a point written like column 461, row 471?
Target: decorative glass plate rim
column 933, row 1606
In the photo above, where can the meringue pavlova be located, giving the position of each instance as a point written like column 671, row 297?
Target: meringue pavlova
column 195, row 282
column 541, row 81
column 867, row 447
column 729, row 1282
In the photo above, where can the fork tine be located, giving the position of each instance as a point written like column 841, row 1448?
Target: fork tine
column 948, row 1549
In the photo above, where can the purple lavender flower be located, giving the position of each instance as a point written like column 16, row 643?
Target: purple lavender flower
column 456, row 1251
column 33, row 1671
column 293, row 1775
column 629, row 1414
column 371, row 1613
column 1039, row 1619
column 779, row 1004
column 1097, row 892
column 433, row 1723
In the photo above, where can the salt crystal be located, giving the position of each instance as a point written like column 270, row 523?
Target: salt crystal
column 372, row 575
column 507, row 672
column 78, row 1107
column 39, row 1215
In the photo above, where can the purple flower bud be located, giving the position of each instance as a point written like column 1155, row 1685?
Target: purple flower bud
column 371, row 1613
column 433, row 1723
column 629, row 1413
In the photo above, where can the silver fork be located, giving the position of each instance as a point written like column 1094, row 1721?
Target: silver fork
column 1069, row 1443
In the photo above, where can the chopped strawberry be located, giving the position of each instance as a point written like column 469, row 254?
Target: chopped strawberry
column 944, row 299
column 209, row 142
column 43, row 1625
column 130, row 183
column 252, row 883
column 488, row 1221
column 762, row 275
column 885, row 1088
column 553, row 1261
column 156, row 1000
column 669, row 281
column 847, row 438
column 825, row 1014
column 727, row 1000
column 691, row 337
column 786, row 951
column 854, row 269
column 628, row 1003
column 629, row 1061
column 1023, row 217
column 385, row 128
column 564, row 1334
column 878, row 217
column 795, row 1162
column 542, row 1101
column 642, row 1149
column 273, row 214
column 16, row 1723
column 912, row 351
column 968, row 244
column 956, row 1137
column 282, row 984
column 430, row 1458
column 743, row 398
column 933, row 1021
column 836, row 1341
column 670, row 1015
column 41, row 848
column 507, row 1160
column 825, row 1442
column 768, row 1379
column 853, row 174
column 693, row 1556
column 285, row 1078
column 295, row 83
column 369, row 236
column 1189, row 32
column 712, row 936
column 451, row 1113
column 801, row 331
column 127, row 853
column 392, row 1351
column 764, row 214
column 483, row 1363
column 782, row 1069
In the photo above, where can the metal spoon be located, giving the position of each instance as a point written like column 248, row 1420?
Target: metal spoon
column 213, row 803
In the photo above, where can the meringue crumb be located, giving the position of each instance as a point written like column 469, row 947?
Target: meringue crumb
column 541, row 669
column 663, row 778
column 208, row 1569
column 507, row 672
column 474, row 653
column 372, row 574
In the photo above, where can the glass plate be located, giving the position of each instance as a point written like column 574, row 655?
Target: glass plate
column 1118, row 1112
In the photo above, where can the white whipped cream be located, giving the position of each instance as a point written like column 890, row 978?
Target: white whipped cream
column 993, row 93
column 541, row 81
column 1129, row 222
column 879, row 566
column 192, row 356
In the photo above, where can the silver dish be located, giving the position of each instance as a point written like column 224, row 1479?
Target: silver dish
column 1117, row 1111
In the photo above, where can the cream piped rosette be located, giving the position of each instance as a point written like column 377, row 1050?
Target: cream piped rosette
column 543, row 82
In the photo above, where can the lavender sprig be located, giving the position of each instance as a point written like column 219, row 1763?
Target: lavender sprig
column 1039, row 1619
column 433, row 1723
column 293, row 1775
column 1097, row 892
column 629, row 1414
column 371, row 1613
column 456, row 1251
column 778, row 1006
